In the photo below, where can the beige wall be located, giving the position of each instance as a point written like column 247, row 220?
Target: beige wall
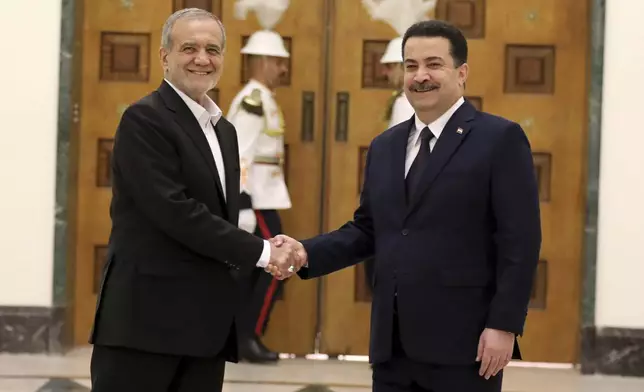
column 620, row 258
column 30, row 31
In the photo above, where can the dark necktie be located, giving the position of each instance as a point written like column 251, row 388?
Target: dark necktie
column 416, row 169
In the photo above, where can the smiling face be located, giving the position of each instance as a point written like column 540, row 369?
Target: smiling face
column 432, row 80
column 194, row 62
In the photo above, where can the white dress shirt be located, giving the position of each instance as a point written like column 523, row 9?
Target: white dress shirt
column 208, row 116
column 436, row 127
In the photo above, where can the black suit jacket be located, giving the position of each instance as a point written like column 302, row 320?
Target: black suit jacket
column 461, row 255
column 168, row 284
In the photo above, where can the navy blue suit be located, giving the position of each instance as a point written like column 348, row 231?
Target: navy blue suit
column 460, row 256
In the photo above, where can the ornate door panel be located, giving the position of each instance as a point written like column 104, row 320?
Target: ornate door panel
column 525, row 65
column 528, row 63
column 359, row 94
column 542, row 84
column 120, row 42
column 292, row 325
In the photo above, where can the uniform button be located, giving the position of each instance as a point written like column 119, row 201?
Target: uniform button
column 405, row 232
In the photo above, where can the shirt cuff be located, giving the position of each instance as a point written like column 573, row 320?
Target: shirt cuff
column 265, row 257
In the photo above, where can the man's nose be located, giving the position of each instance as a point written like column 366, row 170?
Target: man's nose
column 421, row 76
column 201, row 58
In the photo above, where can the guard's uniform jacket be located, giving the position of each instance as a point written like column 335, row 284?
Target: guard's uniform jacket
column 260, row 131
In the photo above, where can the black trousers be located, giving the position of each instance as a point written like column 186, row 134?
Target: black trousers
column 126, row 370
column 260, row 290
column 402, row 374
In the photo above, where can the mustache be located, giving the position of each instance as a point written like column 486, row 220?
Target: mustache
column 425, row 86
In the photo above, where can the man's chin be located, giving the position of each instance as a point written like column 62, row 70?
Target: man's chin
column 425, row 105
column 199, row 90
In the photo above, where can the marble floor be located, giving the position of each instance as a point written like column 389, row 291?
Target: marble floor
column 70, row 373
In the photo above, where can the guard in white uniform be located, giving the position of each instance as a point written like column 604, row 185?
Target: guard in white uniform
column 259, row 122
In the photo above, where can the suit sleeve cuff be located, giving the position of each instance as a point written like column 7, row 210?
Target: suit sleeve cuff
column 265, row 257
column 506, row 322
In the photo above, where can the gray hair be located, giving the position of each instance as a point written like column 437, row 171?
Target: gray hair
column 192, row 13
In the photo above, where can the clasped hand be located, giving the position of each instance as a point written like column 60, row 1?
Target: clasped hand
column 287, row 257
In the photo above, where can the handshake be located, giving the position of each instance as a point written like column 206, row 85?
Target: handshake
column 287, row 257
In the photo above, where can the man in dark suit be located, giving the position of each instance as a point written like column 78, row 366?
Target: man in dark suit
column 450, row 210
column 165, row 311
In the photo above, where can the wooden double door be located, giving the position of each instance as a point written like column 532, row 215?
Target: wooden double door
column 528, row 63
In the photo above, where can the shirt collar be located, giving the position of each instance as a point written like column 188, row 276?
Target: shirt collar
column 209, row 112
column 437, row 126
column 257, row 84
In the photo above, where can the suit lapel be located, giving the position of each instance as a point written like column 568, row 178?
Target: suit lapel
column 450, row 139
column 194, row 131
column 189, row 123
column 226, row 135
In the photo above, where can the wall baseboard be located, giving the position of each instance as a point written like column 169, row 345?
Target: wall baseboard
column 613, row 351
column 32, row 329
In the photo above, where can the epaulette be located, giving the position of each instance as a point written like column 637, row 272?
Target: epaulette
column 390, row 104
column 252, row 103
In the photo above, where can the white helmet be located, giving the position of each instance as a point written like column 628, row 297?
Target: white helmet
column 399, row 14
column 393, row 53
column 265, row 43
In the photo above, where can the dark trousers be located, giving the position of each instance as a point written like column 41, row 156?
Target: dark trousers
column 126, row 370
column 260, row 289
column 401, row 374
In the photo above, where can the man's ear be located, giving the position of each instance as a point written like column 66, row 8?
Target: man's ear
column 463, row 73
column 163, row 57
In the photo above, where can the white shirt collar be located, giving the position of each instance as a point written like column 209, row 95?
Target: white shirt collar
column 437, row 126
column 210, row 112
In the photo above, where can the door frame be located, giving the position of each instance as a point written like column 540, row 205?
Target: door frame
column 67, row 166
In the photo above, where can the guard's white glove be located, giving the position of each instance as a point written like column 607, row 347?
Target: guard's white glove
column 247, row 220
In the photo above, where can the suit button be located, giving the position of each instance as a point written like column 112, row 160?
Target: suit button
column 405, row 232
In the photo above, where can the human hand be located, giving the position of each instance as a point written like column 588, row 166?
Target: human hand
column 283, row 262
column 299, row 257
column 494, row 351
column 302, row 256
